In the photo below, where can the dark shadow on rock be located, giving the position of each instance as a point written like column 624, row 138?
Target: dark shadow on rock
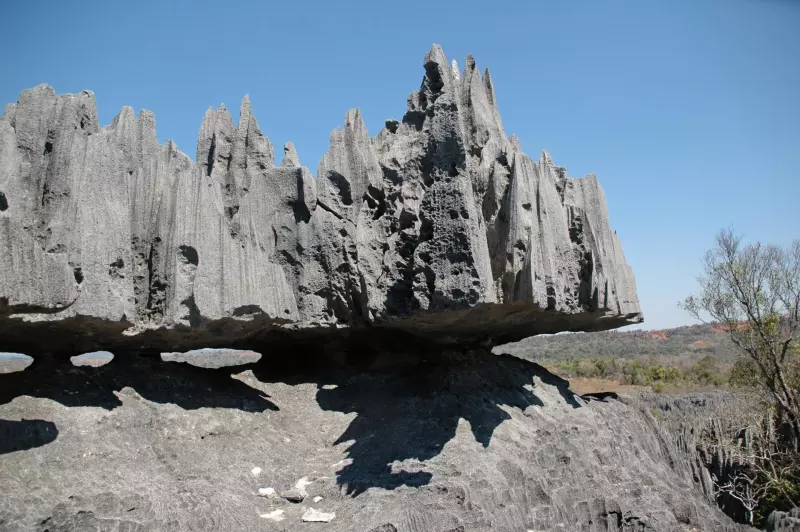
column 186, row 386
column 412, row 415
column 408, row 395
column 600, row 396
column 25, row 434
column 409, row 403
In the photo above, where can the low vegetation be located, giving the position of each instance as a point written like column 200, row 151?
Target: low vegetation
column 684, row 359
column 660, row 376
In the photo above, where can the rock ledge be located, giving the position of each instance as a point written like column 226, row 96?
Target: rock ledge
column 440, row 225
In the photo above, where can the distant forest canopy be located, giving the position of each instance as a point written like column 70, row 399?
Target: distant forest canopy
column 691, row 341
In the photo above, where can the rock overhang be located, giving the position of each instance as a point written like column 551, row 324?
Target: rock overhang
column 439, row 226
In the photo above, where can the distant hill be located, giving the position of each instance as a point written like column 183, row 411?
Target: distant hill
column 691, row 341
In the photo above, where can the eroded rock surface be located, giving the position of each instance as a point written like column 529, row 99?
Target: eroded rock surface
column 784, row 521
column 103, row 229
column 461, row 442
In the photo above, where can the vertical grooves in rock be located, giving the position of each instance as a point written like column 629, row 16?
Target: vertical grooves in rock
column 435, row 213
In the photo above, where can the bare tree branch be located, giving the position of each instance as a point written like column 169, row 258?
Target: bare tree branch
column 753, row 290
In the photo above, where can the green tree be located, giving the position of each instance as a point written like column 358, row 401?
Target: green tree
column 707, row 371
column 602, row 367
column 753, row 291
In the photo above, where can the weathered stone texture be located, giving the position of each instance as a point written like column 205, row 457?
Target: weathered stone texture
column 478, row 443
column 439, row 211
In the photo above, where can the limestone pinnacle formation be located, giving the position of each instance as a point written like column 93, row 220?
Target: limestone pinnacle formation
column 290, row 157
column 439, row 225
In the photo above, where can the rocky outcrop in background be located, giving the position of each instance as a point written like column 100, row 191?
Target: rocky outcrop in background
column 103, row 230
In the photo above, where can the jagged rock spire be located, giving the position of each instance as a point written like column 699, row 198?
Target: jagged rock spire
column 251, row 150
column 215, row 141
column 290, row 158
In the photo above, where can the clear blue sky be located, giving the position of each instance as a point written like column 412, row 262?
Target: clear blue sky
column 687, row 110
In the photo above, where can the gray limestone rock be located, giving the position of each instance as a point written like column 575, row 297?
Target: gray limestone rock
column 784, row 521
column 294, row 495
column 290, row 157
column 95, row 359
column 213, row 358
column 479, row 443
column 440, row 225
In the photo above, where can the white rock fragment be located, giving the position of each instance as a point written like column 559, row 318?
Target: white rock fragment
column 275, row 515
column 301, row 484
column 255, row 471
column 269, row 493
column 315, row 516
column 317, row 498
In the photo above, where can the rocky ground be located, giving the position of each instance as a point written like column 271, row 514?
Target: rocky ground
column 467, row 442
